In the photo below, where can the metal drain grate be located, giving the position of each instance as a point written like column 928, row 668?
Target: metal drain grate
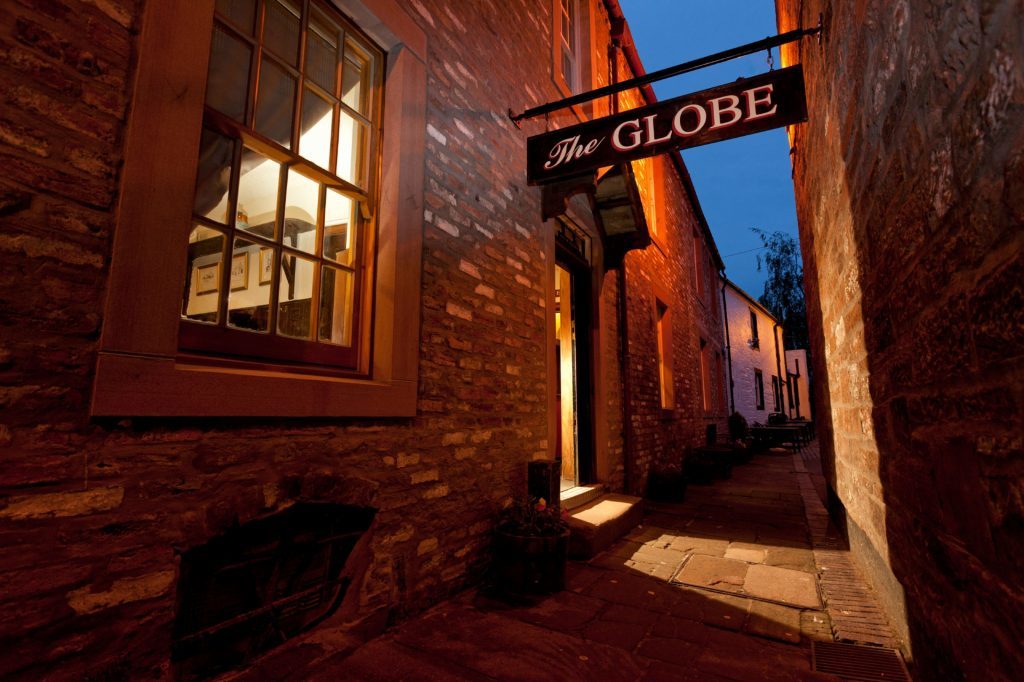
column 856, row 662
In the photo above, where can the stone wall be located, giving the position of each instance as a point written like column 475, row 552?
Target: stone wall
column 95, row 514
column 909, row 193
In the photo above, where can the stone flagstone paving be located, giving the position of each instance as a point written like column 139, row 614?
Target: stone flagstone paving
column 624, row 615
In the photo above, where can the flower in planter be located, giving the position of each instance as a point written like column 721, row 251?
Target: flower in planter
column 532, row 517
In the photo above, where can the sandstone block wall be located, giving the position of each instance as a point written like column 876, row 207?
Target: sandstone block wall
column 909, row 194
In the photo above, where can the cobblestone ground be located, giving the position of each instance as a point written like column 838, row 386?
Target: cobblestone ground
column 726, row 585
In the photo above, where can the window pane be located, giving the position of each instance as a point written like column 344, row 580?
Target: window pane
column 336, row 295
column 258, row 180
column 355, row 79
column 339, row 227
column 351, row 138
column 322, row 52
column 227, row 82
column 302, row 206
column 248, row 301
column 315, row 136
column 213, row 179
column 281, row 33
column 205, row 254
column 295, row 293
column 276, row 97
column 239, row 12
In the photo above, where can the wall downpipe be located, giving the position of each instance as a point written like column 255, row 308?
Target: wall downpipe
column 778, row 367
column 628, row 437
column 728, row 344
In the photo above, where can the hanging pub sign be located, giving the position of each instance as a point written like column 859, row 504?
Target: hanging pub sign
column 745, row 106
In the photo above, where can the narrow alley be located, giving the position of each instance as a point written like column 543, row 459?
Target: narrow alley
column 735, row 583
column 511, row 339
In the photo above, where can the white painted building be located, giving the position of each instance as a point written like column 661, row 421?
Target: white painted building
column 757, row 361
column 798, row 392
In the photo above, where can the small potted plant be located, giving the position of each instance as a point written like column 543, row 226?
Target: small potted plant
column 531, row 548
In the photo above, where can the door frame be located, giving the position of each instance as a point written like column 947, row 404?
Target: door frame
column 584, row 305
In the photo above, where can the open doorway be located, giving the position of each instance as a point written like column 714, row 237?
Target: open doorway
column 574, row 442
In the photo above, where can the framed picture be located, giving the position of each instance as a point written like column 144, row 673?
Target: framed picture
column 207, row 278
column 240, row 271
column 266, row 265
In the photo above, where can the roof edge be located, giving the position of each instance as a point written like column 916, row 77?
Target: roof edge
column 750, row 299
column 633, row 59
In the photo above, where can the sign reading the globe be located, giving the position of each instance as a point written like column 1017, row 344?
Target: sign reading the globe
column 745, row 106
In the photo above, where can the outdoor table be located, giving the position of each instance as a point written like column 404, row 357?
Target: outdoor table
column 777, row 435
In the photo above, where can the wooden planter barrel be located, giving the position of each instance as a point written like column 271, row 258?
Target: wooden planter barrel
column 530, row 564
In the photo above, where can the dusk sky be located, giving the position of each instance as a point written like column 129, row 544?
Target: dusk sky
column 741, row 183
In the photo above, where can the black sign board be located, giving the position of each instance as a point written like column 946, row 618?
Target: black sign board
column 746, row 106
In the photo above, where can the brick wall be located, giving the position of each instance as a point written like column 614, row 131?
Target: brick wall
column 909, row 195
column 94, row 514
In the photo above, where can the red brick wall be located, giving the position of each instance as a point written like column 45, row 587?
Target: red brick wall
column 94, row 514
column 909, row 195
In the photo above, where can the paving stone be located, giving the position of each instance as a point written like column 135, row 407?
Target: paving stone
column 722, row 574
column 561, row 611
column 623, row 635
column 579, row 576
column 791, row 557
column 660, row 570
column 652, row 553
column 660, row 671
column 816, row 625
column 725, row 611
column 619, row 613
column 382, row 660
column 752, row 556
column 643, row 592
column 782, row 585
column 698, row 545
column 677, row 651
column 509, row 649
column 773, row 621
column 680, row 628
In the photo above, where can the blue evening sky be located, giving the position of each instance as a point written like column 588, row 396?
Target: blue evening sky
column 741, row 183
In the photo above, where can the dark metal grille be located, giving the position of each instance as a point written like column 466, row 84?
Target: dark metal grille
column 259, row 584
column 856, row 662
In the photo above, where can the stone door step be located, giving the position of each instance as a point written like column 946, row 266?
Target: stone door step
column 579, row 495
column 598, row 524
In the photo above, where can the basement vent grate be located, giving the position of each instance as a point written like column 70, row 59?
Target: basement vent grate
column 857, row 662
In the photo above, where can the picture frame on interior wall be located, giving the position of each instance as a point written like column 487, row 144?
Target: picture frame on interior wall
column 266, row 265
column 207, row 278
column 240, row 271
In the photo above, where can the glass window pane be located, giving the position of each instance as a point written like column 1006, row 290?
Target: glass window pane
column 205, row 255
column 355, row 79
column 337, row 290
column 227, row 82
column 213, row 179
column 322, row 52
column 301, row 209
column 281, row 33
column 351, row 139
column 258, row 181
column 339, row 227
column 315, row 136
column 294, row 296
column 238, row 12
column 276, row 103
column 248, row 301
